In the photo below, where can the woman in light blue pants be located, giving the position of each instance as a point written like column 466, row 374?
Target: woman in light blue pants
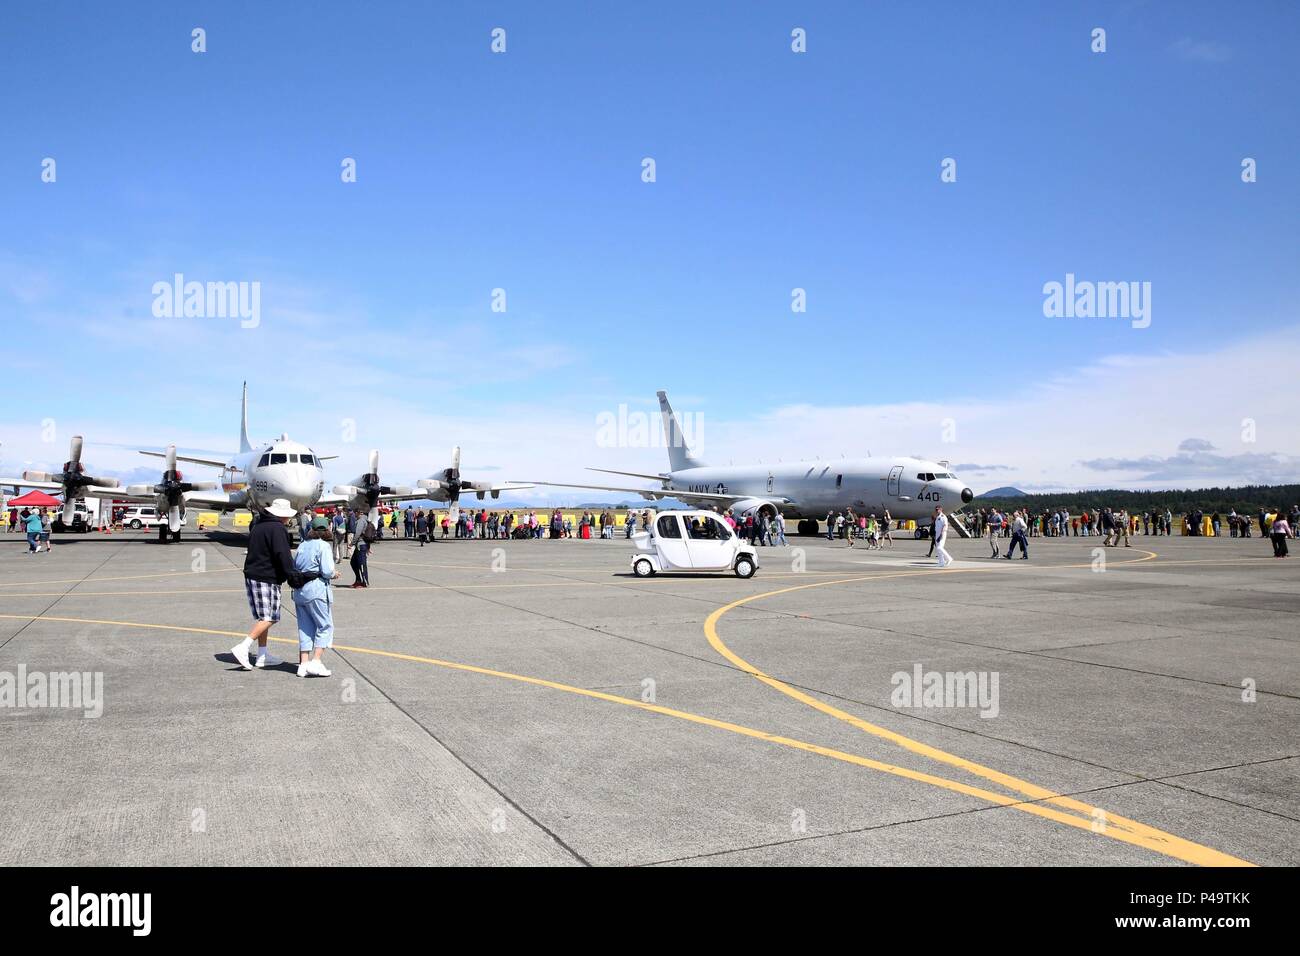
column 314, row 601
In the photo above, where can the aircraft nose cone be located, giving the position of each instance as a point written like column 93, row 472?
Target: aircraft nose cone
column 967, row 496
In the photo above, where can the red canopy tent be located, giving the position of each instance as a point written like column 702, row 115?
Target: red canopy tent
column 34, row 499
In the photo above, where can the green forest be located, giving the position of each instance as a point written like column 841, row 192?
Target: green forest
column 1246, row 500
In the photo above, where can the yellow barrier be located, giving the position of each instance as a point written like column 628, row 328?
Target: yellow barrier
column 243, row 519
column 206, row 520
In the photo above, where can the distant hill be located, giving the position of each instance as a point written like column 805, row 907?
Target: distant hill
column 1007, row 492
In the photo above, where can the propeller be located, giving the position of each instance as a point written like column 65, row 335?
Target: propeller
column 451, row 483
column 73, row 478
column 368, row 488
column 171, row 491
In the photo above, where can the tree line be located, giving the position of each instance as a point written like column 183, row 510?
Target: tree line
column 1248, row 499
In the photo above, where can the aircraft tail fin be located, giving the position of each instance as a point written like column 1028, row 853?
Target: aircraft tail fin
column 244, row 443
column 679, row 453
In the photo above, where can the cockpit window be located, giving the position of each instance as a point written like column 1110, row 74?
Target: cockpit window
column 279, row 458
column 925, row 476
column 293, row 459
column 308, row 460
column 266, row 460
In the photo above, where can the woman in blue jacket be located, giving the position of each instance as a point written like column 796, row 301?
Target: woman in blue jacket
column 314, row 601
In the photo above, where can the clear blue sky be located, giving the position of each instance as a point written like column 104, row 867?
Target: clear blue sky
column 522, row 171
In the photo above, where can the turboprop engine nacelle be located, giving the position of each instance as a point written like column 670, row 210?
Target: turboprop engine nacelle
column 755, row 507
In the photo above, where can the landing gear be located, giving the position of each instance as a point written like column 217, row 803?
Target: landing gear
column 808, row 527
column 162, row 534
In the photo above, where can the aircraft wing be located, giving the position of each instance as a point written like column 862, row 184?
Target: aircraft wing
column 701, row 497
column 193, row 460
column 112, row 494
column 500, row 486
column 89, row 491
column 440, row 494
column 629, row 474
column 216, row 499
column 24, row 483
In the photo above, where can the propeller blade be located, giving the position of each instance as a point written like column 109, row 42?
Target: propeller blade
column 174, row 517
column 374, row 516
column 455, row 460
column 171, row 461
column 453, row 511
column 74, row 450
column 374, row 462
column 69, row 510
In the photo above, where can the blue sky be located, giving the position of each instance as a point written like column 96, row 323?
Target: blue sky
column 522, row 171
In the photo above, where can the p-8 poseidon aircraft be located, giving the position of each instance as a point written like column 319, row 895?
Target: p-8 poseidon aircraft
column 909, row 488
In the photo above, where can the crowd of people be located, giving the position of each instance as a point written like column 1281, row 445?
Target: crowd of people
column 849, row 526
column 1059, row 522
column 342, row 534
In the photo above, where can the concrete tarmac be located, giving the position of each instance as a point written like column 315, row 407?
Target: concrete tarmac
column 526, row 703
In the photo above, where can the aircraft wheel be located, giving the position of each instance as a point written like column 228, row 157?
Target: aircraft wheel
column 745, row 567
column 162, row 534
column 643, row 568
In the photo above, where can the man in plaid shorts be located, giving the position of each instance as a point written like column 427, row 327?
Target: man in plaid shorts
column 267, row 565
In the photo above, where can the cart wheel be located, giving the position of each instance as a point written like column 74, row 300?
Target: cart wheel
column 643, row 568
column 745, row 567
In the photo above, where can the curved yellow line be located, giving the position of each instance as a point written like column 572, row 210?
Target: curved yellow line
column 1112, row 825
column 954, row 786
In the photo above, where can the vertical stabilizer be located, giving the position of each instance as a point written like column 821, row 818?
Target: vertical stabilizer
column 244, row 443
column 679, row 453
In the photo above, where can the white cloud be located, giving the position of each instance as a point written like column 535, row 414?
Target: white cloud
column 1118, row 422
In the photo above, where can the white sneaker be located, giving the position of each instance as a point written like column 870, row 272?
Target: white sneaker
column 302, row 670
column 317, row 669
column 240, row 651
column 268, row 660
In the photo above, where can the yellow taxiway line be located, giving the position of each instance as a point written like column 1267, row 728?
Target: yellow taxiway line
column 1094, row 819
column 1041, row 801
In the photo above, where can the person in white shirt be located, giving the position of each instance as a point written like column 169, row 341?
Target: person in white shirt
column 1018, row 536
column 940, row 531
